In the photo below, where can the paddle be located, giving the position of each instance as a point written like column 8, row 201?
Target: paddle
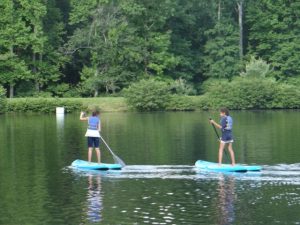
column 116, row 158
column 219, row 139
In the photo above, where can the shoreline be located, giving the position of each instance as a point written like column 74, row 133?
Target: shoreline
column 105, row 104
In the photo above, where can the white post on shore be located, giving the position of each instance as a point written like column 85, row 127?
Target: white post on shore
column 60, row 111
column 60, row 116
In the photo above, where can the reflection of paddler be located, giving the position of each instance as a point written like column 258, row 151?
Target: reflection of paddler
column 92, row 133
column 94, row 199
column 226, row 200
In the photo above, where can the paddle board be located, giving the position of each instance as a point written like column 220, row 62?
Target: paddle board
column 82, row 164
column 225, row 167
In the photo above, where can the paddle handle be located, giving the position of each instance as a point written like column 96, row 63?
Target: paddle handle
column 107, row 145
column 215, row 129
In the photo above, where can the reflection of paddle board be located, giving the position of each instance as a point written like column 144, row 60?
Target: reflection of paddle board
column 225, row 167
column 81, row 164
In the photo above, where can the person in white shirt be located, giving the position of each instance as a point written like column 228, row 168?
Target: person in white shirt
column 92, row 133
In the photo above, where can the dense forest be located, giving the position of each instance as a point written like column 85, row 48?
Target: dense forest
column 72, row 48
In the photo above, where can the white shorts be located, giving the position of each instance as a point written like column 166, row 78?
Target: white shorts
column 226, row 142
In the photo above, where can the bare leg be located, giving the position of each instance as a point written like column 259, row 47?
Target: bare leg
column 221, row 149
column 90, row 154
column 98, row 154
column 230, row 149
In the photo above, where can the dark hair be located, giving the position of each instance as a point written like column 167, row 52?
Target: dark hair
column 95, row 112
column 225, row 110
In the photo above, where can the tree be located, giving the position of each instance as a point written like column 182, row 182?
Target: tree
column 99, row 36
column 222, row 47
column 46, row 30
column 274, row 34
column 14, row 36
column 152, row 37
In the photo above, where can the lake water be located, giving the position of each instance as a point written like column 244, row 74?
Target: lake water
column 159, row 185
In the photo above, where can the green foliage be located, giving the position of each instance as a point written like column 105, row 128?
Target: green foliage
column 274, row 34
column 45, row 105
column 293, row 81
column 221, row 52
column 30, row 35
column 212, row 84
column 287, row 97
column 65, row 90
column 180, row 103
column 147, row 95
column 246, row 93
column 181, row 87
column 3, row 101
column 256, row 68
column 25, row 89
column 95, row 48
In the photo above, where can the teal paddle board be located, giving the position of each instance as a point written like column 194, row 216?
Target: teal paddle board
column 225, row 167
column 82, row 164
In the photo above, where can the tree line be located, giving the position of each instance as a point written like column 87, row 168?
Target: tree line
column 77, row 48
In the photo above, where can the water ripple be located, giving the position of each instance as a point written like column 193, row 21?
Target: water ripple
column 274, row 174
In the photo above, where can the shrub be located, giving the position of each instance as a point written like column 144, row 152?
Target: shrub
column 2, row 100
column 293, row 81
column 182, row 87
column 211, row 84
column 255, row 93
column 147, row 95
column 45, row 105
column 287, row 97
column 256, row 68
column 181, row 103
column 241, row 93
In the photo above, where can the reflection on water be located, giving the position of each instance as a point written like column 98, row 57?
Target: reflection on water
column 185, row 195
column 160, row 185
column 94, row 199
column 226, row 200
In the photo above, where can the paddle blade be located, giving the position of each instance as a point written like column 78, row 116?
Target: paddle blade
column 119, row 161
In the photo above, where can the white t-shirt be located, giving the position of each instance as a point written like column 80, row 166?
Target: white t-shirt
column 92, row 133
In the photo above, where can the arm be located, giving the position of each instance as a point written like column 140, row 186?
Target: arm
column 83, row 117
column 216, row 124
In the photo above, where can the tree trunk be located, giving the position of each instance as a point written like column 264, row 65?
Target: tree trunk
column 11, row 90
column 240, row 11
column 11, row 85
column 96, row 88
column 34, row 70
column 219, row 11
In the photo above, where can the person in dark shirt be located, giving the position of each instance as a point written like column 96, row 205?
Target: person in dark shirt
column 227, row 138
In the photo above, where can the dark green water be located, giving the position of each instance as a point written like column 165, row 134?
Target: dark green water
column 160, row 184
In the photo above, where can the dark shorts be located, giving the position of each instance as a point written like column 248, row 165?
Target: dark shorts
column 93, row 142
column 227, row 137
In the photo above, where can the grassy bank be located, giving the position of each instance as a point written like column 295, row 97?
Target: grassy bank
column 106, row 104
column 119, row 104
column 48, row 105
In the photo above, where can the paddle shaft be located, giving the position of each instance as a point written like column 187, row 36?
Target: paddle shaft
column 219, row 139
column 116, row 158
